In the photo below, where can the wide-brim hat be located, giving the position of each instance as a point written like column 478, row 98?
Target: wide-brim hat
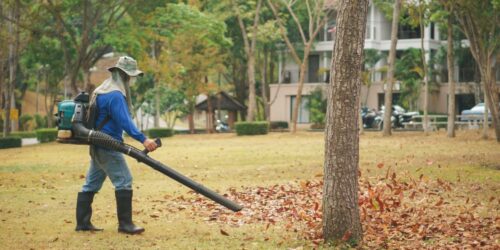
column 128, row 65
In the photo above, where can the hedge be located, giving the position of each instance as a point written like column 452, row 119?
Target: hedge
column 279, row 125
column 24, row 134
column 10, row 142
column 160, row 132
column 251, row 128
column 46, row 134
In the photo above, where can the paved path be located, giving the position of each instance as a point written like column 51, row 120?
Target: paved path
column 29, row 141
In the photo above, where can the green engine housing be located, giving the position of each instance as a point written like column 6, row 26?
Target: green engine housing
column 66, row 110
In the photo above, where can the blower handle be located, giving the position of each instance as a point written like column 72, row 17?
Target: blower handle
column 158, row 143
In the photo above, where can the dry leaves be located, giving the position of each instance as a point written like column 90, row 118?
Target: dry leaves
column 397, row 214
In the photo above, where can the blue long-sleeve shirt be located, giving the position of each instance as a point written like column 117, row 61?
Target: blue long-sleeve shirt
column 114, row 105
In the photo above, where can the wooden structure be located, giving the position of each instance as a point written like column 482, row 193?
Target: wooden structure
column 221, row 101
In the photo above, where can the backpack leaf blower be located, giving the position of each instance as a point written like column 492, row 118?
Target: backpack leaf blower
column 73, row 129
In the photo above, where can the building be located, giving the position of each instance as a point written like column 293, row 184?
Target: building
column 378, row 35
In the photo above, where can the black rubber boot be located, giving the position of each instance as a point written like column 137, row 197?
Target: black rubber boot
column 124, row 212
column 84, row 212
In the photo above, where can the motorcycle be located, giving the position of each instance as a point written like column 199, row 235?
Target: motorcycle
column 222, row 127
column 399, row 117
column 368, row 117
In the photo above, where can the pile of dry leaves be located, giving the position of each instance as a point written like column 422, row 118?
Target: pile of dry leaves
column 399, row 214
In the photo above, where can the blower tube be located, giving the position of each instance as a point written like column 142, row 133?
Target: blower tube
column 98, row 138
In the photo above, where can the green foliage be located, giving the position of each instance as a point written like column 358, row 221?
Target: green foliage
column 317, row 107
column 251, row 128
column 40, row 121
column 24, row 134
column 10, row 142
column 160, row 132
column 172, row 101
column 279, row 125
column 408, row 71
column 26, row 122
column 46, row 134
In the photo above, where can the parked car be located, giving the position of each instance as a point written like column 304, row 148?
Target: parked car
column 476, row 113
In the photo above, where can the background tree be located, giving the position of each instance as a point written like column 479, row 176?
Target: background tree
column 316, row 17
column 390, row 72
column 341, row 219
column 184, row 61
column 13, row 56
column 84, row 29
column 250, row 43
column 479, row 21
column 443, row 13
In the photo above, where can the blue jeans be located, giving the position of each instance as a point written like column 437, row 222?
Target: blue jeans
column 107, row 163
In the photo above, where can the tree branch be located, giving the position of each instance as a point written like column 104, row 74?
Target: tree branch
column 283, row 33
column 296, row 20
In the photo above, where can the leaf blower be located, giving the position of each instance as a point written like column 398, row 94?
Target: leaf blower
column 72, row 128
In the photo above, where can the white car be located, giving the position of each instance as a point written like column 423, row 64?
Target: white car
column 476, row 113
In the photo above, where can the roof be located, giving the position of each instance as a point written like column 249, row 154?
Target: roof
column 222, row 101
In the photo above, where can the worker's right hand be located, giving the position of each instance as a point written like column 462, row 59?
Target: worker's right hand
column 150, row 145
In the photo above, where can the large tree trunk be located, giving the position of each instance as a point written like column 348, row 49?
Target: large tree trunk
column 451, row 80
column 341, row 219
column 491, row 94
column 390, row 72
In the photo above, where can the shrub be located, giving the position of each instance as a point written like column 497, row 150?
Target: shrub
column 40, row 121
column 279, row 125
column 10, row 142
column 46, row 134
column 24, row 134
column 251, row 128
column 26, row 122
column 160, row 132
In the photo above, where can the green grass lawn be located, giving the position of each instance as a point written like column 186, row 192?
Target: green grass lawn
column 38, row 185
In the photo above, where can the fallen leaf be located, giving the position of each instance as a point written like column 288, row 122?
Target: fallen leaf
column 224, row 233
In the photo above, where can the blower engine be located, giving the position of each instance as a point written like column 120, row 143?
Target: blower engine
column 72, row 128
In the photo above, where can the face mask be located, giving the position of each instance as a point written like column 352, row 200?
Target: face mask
column 132, row 81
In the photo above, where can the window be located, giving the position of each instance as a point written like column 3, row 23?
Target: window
column 303, row 116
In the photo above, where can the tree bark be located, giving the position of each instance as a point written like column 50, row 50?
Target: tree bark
column 390, row 72
column 341, row 218
column 451, row 80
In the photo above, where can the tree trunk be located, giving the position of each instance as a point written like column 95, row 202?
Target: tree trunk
column 390, row 72
column 484, row 136
column 265, row 99
column 298, row 97
column 491, row 95
column 425, row 122
column 252, row 102
column 191, row 122
column 341, row 219
column 210, row 115
column 451, row 80
column 13, row 43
